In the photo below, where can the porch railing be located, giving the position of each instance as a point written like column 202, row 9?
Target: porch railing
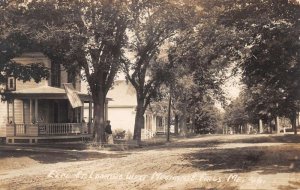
column 20, row 129
column 59, row 128
column 46, row 129
column 147, row 134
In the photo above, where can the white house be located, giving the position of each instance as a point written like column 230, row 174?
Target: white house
column 44, row 111
column 49, row 110
column 122, row 109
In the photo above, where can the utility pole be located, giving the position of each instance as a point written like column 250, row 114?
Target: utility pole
column 277, row 121
column 169, row 119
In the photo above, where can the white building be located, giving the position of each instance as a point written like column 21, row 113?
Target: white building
column 121, row 111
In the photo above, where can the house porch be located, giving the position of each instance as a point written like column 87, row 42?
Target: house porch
column 34, row 133
column 34, row 117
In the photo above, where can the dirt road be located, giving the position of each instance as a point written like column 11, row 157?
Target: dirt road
column 207, row 162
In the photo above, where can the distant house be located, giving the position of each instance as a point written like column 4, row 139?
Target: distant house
column 122, row 110
column 49, row 110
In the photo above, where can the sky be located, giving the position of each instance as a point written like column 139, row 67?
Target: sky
column 232, row 87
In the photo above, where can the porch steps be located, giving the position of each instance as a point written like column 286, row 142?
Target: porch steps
column 160, row 133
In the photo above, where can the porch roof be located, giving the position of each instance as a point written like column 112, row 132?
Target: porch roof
column 46, row 92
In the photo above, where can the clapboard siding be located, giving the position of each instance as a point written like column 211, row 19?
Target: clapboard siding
column 2, row 132
column 32, row 131
column 78, row 83
column 64, row 79
column 19, row 111
column 63, row 76
column 20, row 85
column 3, row 114
column 3, row 119
column 30, row 58
column 45, row 107
column 18, row 105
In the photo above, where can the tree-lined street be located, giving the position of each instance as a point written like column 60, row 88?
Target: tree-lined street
column 165, row 48
column 178, row 57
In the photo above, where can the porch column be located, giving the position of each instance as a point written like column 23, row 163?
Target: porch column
column 13, row 111
column 90, row 118
column 36, row 115
column 30, row 110
column 83, row 124
column 81, row 113
column 154, row 123
column 164, row 123
column 7, row 112
column 90, row 112
column 13, row 117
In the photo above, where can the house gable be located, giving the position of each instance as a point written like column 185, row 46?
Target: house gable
column 123, row 95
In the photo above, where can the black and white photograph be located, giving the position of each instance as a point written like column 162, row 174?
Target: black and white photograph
column 149, row 94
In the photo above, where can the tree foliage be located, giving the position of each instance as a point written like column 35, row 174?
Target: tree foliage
column 200, row 58
column 83, row 35
column 189, row 45
column 155, row 23
column 235, row 113
column 269, row 54
column 13, row 43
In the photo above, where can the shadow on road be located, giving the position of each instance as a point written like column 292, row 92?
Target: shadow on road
column 266, row 158
column 47, row 157
column 293, row 185
column 268, row 139
column 205, row 141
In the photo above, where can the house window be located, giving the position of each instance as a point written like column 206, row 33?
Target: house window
column 72, row 78
column 11, row 83
column 55, row 75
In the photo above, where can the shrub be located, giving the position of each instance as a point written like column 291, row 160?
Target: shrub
column 119, row 134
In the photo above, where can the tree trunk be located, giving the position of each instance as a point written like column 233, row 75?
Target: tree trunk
column 183, row 127
column 241, row 129
column 139, row 121
column 99, row 123
column 176, row 124
column 277, row 125
column 193, row 126
column 247, row 128
column 294, row 122
column 270, row 127
column 260, row 126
